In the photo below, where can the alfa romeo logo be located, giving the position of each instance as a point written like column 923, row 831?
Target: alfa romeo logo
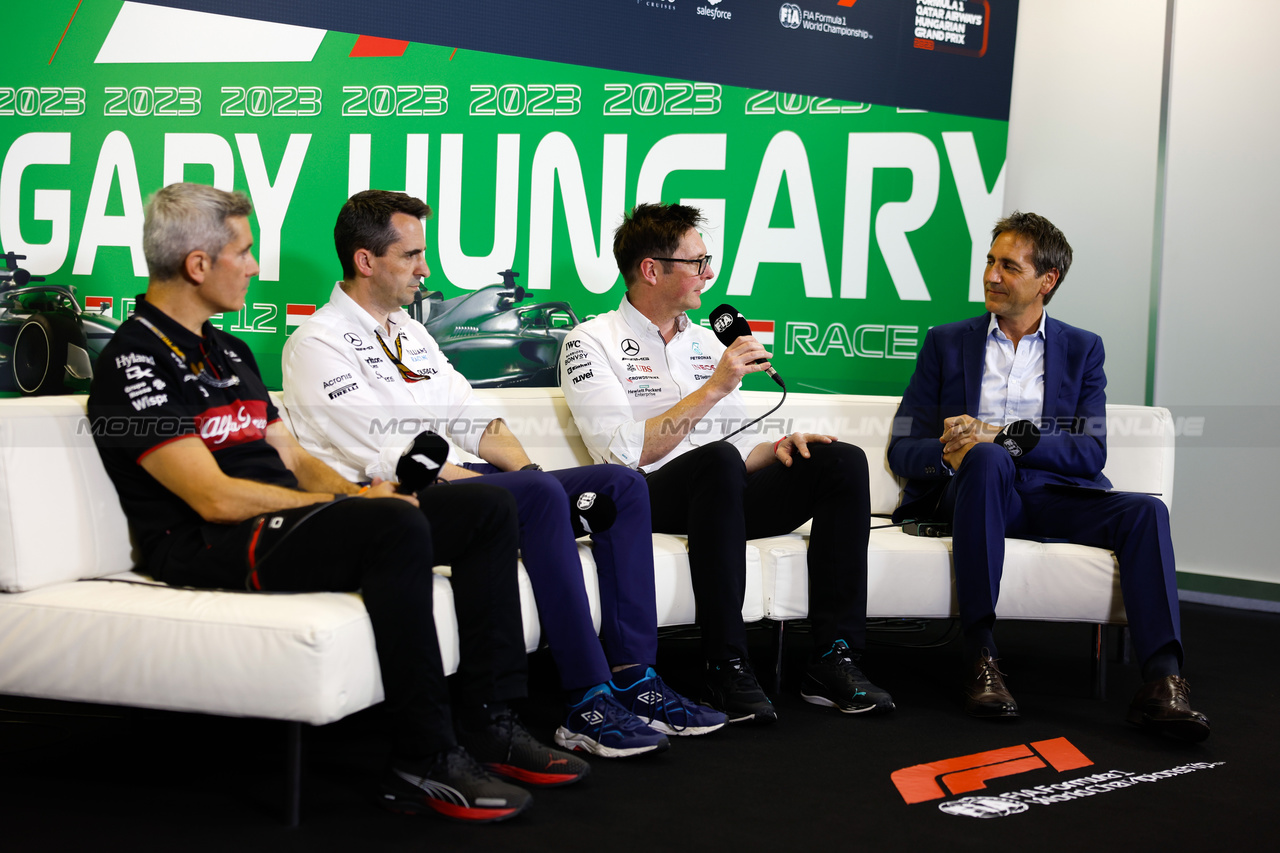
column 630, row 347
column 789, row 16
column 353, row 339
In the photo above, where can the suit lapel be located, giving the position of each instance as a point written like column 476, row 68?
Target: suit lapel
column 1055, row 358
column 974, row 356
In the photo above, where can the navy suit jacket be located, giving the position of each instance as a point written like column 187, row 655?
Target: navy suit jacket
column 948, row 381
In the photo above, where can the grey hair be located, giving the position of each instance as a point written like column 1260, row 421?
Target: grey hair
column 182, row 218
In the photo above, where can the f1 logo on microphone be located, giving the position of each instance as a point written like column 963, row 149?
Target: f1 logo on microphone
column 924, row 782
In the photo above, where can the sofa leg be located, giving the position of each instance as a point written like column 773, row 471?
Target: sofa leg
column 293, row 773
column 777, row 659
column 1099, row 661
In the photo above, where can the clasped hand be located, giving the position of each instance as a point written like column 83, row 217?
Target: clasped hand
column 960, row 434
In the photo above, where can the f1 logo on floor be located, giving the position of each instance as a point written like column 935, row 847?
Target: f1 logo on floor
column 923, row 782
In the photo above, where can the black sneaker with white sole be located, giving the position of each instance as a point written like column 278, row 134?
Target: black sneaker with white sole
column 732, row 687
column 835, row 681
column 455, row 786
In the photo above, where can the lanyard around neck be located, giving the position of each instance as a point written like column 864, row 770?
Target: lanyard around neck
column 408, row 374
column 198, row 369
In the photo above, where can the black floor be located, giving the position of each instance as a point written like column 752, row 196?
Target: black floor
column 100, row 778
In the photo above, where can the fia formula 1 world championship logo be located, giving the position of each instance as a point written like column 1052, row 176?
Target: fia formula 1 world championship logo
column 789, row 16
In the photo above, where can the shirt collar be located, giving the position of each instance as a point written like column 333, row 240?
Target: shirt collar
column 351, row 310
column 993, row 326
column 642, row 324
column 175, row 331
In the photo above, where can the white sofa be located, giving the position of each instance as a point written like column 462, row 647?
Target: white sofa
column 77, row 624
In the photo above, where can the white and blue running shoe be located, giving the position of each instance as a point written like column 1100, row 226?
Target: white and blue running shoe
column 601, row 726
column 665, row 710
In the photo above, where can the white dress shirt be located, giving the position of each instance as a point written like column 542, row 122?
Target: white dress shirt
column 350, row 407
column 617, row 372
column 1012, row 380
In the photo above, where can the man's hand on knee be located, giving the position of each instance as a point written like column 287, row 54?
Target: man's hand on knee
column 798, row 443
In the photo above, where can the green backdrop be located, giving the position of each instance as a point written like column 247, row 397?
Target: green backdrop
column 850, row 227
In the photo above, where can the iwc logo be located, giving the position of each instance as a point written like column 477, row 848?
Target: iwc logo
column 789, row 16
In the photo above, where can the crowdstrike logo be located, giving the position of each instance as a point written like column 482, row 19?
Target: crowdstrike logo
column 789, row 16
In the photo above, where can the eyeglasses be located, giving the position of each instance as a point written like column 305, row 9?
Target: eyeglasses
column 702, row 262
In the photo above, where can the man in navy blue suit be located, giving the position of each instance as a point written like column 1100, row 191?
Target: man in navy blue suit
column 973, row 380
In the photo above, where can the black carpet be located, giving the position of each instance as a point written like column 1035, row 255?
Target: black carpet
column 102, row 778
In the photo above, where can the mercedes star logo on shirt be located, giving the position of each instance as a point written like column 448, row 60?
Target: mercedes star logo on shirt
column 630, row 347
column 353, row 339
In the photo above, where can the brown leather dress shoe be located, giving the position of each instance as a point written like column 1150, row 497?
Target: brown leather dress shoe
column 984, row 692
column 1164, row 706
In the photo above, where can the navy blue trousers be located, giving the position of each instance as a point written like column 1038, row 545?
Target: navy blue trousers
column 987, row 501
column 624, row 568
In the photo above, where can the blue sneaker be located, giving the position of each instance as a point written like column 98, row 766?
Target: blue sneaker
column 601, row 726
column 665, row 710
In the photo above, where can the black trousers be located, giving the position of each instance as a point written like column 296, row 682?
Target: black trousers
column 385, row 549
column 708, row 495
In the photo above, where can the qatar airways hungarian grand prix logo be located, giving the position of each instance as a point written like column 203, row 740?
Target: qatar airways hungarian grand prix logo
column 935, row 780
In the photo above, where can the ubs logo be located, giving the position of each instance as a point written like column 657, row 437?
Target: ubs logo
column 789, row 16
column 630, row 347
column 353, row 339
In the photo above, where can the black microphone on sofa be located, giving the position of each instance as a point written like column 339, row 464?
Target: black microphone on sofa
column 591, row 512
column 421, row 462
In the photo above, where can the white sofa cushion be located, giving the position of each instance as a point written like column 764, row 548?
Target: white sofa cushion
column 302, row 656
column 60, row 519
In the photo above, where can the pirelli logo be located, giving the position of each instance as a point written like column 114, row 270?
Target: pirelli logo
column 923, row 782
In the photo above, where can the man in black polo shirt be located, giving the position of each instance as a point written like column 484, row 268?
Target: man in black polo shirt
column 220, row 495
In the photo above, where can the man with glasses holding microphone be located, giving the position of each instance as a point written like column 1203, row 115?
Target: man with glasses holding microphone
column 651, row 389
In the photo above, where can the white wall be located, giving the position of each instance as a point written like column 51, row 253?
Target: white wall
column 1083, row 130
column 1219, row 301
column 1083, row 149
